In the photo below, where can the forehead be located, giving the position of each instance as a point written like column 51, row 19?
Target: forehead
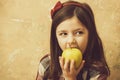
column 70, row 24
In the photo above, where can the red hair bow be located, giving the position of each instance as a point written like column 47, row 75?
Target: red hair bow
column 58, row 6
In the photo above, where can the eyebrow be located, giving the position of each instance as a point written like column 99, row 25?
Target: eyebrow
column 73, row 30
column 79, row 29
column 61, row 31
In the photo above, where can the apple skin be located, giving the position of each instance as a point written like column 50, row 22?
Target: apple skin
column 73, row 54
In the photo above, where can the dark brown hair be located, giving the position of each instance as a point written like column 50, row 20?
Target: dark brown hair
column 94, row 53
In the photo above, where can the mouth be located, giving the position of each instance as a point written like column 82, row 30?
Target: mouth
column 74, row 47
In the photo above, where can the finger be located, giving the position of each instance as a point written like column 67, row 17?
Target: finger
column 67, row 65
column 61, row 61
column 72, row 65
column 81, row 66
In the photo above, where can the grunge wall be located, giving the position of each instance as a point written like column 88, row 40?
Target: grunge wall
column 25, row 31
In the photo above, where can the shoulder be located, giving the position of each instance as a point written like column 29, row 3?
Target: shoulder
column 44, row 64
column 44, row 57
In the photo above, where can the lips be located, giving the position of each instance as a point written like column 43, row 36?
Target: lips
column 74, row 46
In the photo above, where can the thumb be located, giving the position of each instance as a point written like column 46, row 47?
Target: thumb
column 81, row 66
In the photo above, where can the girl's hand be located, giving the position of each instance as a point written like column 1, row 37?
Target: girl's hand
column 68, row 68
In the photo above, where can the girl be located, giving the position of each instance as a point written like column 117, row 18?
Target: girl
column 73, row 26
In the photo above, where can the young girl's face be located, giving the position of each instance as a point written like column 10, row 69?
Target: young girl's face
column 71, row 33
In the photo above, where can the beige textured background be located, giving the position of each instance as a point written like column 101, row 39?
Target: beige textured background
column 24, row 35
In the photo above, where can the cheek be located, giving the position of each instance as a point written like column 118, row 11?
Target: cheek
column 82, row 43
column 61, row 43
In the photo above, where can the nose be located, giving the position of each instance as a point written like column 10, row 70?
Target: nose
column 71, row 42
column 70, row 39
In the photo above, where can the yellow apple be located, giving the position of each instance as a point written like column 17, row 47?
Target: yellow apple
column 73, row 54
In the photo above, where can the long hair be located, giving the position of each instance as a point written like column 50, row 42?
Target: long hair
column 94, row 53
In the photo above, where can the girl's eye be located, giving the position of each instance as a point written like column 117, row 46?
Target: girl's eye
column 79, row 32
column 63, row 34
